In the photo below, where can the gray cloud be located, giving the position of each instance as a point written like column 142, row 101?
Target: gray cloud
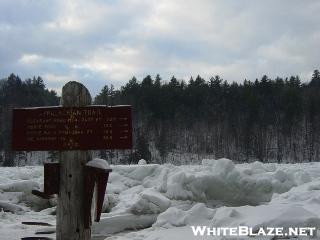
column 103, row 42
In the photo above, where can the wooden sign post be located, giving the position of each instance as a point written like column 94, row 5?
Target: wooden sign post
column 73, row 130
column 70, row 208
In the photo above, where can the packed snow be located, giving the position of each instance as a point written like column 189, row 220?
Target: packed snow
column 150, row 201
column 98, row 163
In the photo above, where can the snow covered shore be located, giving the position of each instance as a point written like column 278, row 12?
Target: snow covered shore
column 163, row 201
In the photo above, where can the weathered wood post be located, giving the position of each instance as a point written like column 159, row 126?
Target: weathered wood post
column 70, row 208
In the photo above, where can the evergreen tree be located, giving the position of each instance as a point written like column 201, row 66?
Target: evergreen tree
column 143, row 148
column 103, row 98
column 157, row 81
column 315, row 80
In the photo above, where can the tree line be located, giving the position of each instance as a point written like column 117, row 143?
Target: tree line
column 15, row 93
column 265, row 119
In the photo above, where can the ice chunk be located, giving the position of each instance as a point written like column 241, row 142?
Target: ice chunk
column 34, row 202
column 280, row 175
column 116, row 223
column 224, row 166
column 150, row 201
column 158, row 179
column 199, row 213
column 25, row 186
column 208, row 162
column 172, row 217
column 142, row 162
column 10, row 207
column 110, row 201
column 303, row 177
column 137, row 172
column 177, row 187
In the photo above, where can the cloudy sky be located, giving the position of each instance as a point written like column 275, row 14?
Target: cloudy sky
column 99, row 42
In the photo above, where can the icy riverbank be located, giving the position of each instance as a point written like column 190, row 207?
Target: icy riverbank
column 169, row 199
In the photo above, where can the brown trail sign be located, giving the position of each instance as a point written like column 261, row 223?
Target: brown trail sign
column 73, row 129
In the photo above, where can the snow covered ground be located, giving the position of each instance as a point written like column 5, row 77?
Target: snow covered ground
column 163, row 201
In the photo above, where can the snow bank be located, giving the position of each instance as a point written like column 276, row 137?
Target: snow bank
column 170, row 197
